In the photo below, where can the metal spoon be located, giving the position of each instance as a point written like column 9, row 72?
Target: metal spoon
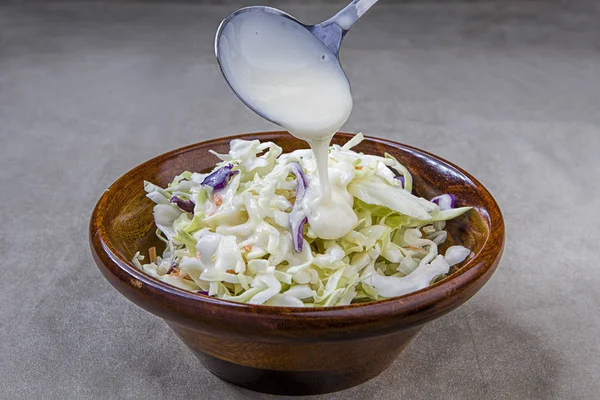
column 330, row 32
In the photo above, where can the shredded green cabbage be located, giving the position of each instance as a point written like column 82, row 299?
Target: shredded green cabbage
column 237, row 245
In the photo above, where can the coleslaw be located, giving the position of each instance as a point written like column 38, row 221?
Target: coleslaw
column 241, row 232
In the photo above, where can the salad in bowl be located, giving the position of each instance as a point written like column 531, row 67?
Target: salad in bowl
column 241, row 231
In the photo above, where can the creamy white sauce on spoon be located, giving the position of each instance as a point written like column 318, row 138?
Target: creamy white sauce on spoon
column 289, row 76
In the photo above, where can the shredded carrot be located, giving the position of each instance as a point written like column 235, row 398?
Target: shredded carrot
column 152, row 254
column 413, row 248
column 217, row 199
column 198, row 254
column 248, row 248
column 358, row 167
column 230, row 271
column 175, row 271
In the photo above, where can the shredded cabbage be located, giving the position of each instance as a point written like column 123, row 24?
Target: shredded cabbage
column 234, row 233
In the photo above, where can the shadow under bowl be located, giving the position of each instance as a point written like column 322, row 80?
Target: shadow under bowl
column 287, row 350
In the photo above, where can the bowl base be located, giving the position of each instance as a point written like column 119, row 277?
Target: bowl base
column 291, row 383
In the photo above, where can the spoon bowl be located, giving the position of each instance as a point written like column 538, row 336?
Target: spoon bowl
column 219, row 53
column 330, row 33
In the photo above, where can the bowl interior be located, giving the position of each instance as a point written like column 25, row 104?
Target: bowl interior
column 128, row 226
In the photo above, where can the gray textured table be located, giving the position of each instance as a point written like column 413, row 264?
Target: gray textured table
column 509, row 91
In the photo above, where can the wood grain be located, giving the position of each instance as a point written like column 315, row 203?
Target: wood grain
column 321, row 350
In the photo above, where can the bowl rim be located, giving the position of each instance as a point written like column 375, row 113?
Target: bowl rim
column 407, row 304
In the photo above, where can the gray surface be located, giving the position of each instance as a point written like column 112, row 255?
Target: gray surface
column 509, row 91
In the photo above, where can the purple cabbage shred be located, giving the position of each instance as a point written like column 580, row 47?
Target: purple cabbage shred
column 401, row 179
column 220, row 178
column 185, row 205
column 171, row 268
column 297, row 216
column 297, row 226
column 445, row 201
column 301, row 182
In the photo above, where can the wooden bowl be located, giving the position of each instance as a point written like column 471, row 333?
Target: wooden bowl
column 287, row 350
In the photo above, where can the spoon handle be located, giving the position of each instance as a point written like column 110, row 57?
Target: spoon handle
column 350, row 14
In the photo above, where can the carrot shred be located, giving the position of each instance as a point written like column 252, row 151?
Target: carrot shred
column 152, row 254
column 217, row 199
column 413, row 248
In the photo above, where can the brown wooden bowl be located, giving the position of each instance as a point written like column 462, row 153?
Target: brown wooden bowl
column 287, row 350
